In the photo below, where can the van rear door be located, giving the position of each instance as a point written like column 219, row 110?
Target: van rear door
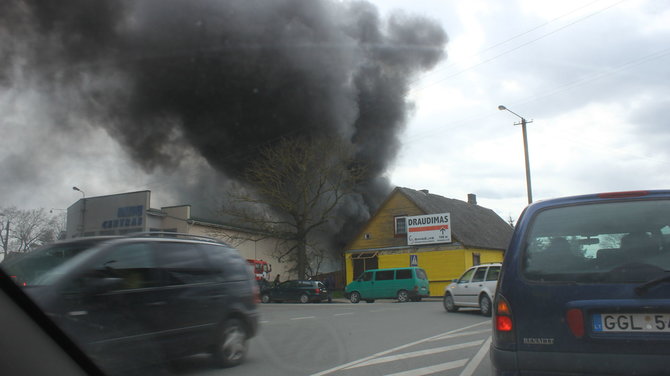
column 580, row 284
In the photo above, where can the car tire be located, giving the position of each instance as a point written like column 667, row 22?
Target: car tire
column 449, row 304
column 355, row 297
column 265, row 298
column 232, row 346
column 485, row 305
column 403, row 296
column 304, row 298
column 369, row 300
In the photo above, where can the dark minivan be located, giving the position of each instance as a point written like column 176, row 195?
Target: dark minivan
column 146, row 300
column 585, row 288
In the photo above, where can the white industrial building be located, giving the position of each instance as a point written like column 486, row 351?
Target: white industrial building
column 126, row 213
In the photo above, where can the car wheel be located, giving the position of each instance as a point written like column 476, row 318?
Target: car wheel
column 304, row 298
column 369, row 300
column 265, row 298
column 232, row 347
column 403, row 296
column 355, row 297
column 485, row 305
column 449, row 303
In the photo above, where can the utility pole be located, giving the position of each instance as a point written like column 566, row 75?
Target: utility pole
column 523, row 122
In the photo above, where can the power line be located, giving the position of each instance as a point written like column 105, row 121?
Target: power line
column 433, row 72
column 518, row 47
column 570, row 85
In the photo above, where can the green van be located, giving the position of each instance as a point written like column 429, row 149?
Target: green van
column 405, row 284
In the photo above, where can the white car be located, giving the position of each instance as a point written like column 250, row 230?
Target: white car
column 475, row 288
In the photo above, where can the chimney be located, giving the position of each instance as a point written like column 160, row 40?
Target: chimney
column 472, row 199
column 425, row 191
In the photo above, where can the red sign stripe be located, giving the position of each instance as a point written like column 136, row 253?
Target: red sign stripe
column 428, row 228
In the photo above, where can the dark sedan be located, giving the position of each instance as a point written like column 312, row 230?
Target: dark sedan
column 301, row 291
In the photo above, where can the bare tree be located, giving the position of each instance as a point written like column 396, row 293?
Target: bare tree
column 510, row 220
column 6, row 217
column 297, row 186
column 24, row 230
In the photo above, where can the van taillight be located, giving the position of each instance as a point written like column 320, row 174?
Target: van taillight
column 502, row 308
column 575, row 319
column 503, row 323
column 318, row 290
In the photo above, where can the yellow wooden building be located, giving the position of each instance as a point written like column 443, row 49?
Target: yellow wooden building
column 478, row 235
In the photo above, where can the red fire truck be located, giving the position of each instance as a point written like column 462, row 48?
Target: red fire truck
column 261, row 269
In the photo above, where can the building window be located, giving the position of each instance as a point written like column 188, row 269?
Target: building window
column 475, row 259
column 129, row 231
column 400, row 226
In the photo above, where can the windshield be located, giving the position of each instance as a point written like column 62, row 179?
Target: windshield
column 606, row 242
column 380, row 147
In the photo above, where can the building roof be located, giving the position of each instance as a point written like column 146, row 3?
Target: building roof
column 471, row 224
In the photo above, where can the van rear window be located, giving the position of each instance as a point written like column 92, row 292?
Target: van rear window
column 600, row 242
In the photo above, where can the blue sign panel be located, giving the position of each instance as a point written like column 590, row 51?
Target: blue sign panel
column 413, row 260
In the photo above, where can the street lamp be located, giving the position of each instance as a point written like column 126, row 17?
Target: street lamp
column 525, row 149
column 79, row 190
column 83, row 211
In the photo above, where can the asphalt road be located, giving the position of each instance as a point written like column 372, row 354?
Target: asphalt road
column 381, row 338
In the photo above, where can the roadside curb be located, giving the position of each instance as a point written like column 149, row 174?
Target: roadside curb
column 431, row 299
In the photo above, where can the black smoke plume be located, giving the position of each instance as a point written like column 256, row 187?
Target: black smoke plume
column 223, row 78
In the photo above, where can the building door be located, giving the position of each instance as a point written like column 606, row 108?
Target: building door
column 363, row 262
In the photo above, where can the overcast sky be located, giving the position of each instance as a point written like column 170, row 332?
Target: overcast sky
column 592, row 76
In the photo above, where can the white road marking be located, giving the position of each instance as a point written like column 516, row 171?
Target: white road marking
column 474, row 363
column 302, row 318
column 432, row 369
column 415, row 354
column 342, row 314
column 346, row 365
column 264, row 322
column 463, row 334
